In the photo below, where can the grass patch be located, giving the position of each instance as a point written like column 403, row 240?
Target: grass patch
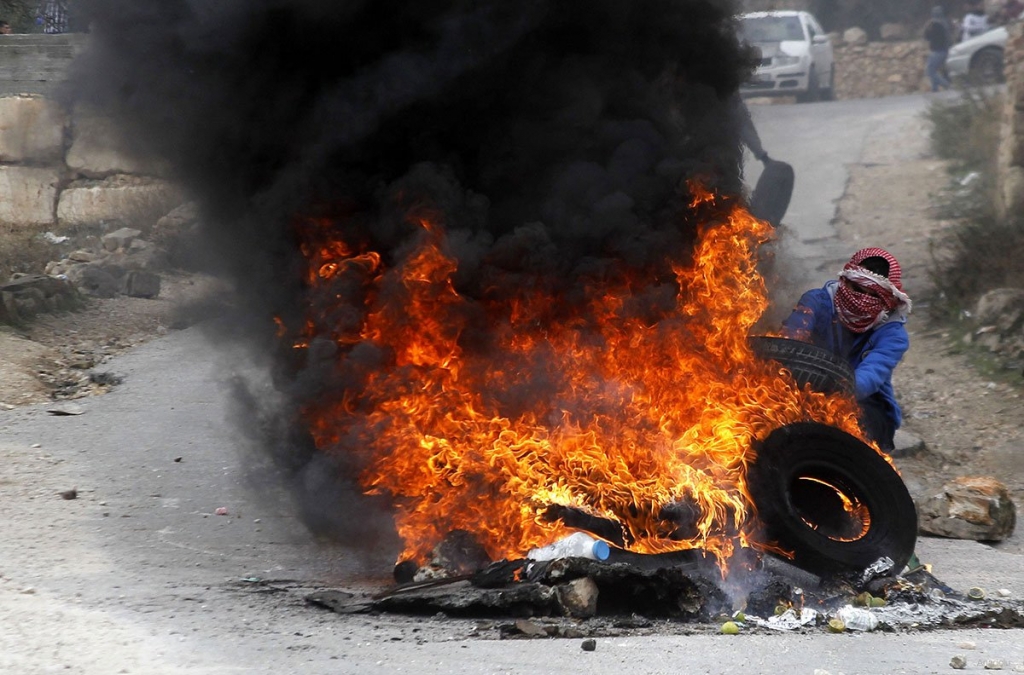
column 23, row 249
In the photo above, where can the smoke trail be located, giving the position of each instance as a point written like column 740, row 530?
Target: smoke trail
column 554, row 137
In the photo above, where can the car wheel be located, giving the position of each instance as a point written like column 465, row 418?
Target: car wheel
column 831, row 500
column 812, row 92
column 829, row 93
column 986, row 67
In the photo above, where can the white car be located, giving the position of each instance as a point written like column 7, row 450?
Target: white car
column 980, row 59
column 796, row 56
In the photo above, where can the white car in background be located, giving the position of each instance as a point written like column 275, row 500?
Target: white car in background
column 796, row 56
column 980, row 59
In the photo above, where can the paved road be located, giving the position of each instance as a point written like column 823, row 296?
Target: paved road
column 821, row 141
column 139, row 575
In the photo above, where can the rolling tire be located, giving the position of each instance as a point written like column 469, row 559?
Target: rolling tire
column 807, row 363
column 987, row 67
column 798, row 482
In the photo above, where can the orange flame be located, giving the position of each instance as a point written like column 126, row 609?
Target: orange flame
column 637, row 412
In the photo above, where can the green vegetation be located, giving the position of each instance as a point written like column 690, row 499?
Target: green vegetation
column 983, row 251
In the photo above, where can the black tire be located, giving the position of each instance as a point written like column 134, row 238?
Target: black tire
column 771, row 195
column 829, row 93
column 796, row 482
column 987, row 67
column 807, row 363
column 813, row 92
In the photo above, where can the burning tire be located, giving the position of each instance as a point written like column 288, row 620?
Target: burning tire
column 831, row 500
column 807, row 363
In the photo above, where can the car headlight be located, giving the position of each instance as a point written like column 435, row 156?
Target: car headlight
column 786, row 60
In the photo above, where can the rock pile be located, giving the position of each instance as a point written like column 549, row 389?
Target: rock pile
column 998, row 322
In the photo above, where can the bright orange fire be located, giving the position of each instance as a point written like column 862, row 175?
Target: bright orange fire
column 635, row 413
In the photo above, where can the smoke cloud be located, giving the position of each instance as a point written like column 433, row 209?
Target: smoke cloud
column 552, row 138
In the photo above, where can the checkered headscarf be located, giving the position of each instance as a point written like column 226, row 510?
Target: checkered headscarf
column 865, row 299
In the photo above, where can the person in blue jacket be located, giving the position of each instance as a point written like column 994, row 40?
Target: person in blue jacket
column 861, row 317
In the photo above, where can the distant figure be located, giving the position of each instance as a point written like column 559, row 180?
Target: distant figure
column 53, row 16
column 5, row 28
column 975, row 20
column 937, row 33
column 1011, row 11
column 747, row 130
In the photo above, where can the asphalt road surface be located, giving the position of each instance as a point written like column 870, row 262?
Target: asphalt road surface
column 139, row 574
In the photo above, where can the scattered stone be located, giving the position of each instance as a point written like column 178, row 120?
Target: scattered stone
column 994, row 664
column 28, row 590
column 976, row 593
column 907, row 444
column 588, row 645
column 66, row 409
column 530, row 628
column 969, row 507
column 578, row 598
column 82, row 255
column 119, row 239
column 967, row 645
column 221, row 511
column 836, row 626
column 855, row 36
column 94, row 280
column 958, row 662
column 69, row 494
column 106, row 378
column 1004, row 592
column 141, row 284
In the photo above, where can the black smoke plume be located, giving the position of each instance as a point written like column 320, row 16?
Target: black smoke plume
column 555, row 137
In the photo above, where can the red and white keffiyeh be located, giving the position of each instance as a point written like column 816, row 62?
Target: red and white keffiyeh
column 864, row 299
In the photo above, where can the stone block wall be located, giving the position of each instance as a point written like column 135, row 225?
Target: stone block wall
column 62, row 169
column 59, row 168
column 876, row 69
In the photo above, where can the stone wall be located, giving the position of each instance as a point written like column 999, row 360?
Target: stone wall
column 876, row 69
column 1010, row 163
column 62, row 169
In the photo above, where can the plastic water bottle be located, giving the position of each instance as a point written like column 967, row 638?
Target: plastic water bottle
column 577, row 545
column 856, row 618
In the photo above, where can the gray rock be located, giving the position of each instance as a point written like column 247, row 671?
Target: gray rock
column 94, row 280
column 82, row 256
column 578, row 598
column 1001, row 308
column 907, row 444
column 958, row 662
column 969, row 507
column 141, row 284
column 120, row 239
column 855, row 36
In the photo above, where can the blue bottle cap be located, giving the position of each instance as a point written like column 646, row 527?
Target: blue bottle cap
column 601, row 550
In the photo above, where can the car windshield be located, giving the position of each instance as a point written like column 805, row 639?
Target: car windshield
column 771, row 28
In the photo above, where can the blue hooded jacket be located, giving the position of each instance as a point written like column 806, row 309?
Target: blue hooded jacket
column 873, row 354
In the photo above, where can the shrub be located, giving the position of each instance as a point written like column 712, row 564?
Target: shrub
column 983, row 250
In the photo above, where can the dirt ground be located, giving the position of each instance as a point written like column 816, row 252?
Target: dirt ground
column 969, row 423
